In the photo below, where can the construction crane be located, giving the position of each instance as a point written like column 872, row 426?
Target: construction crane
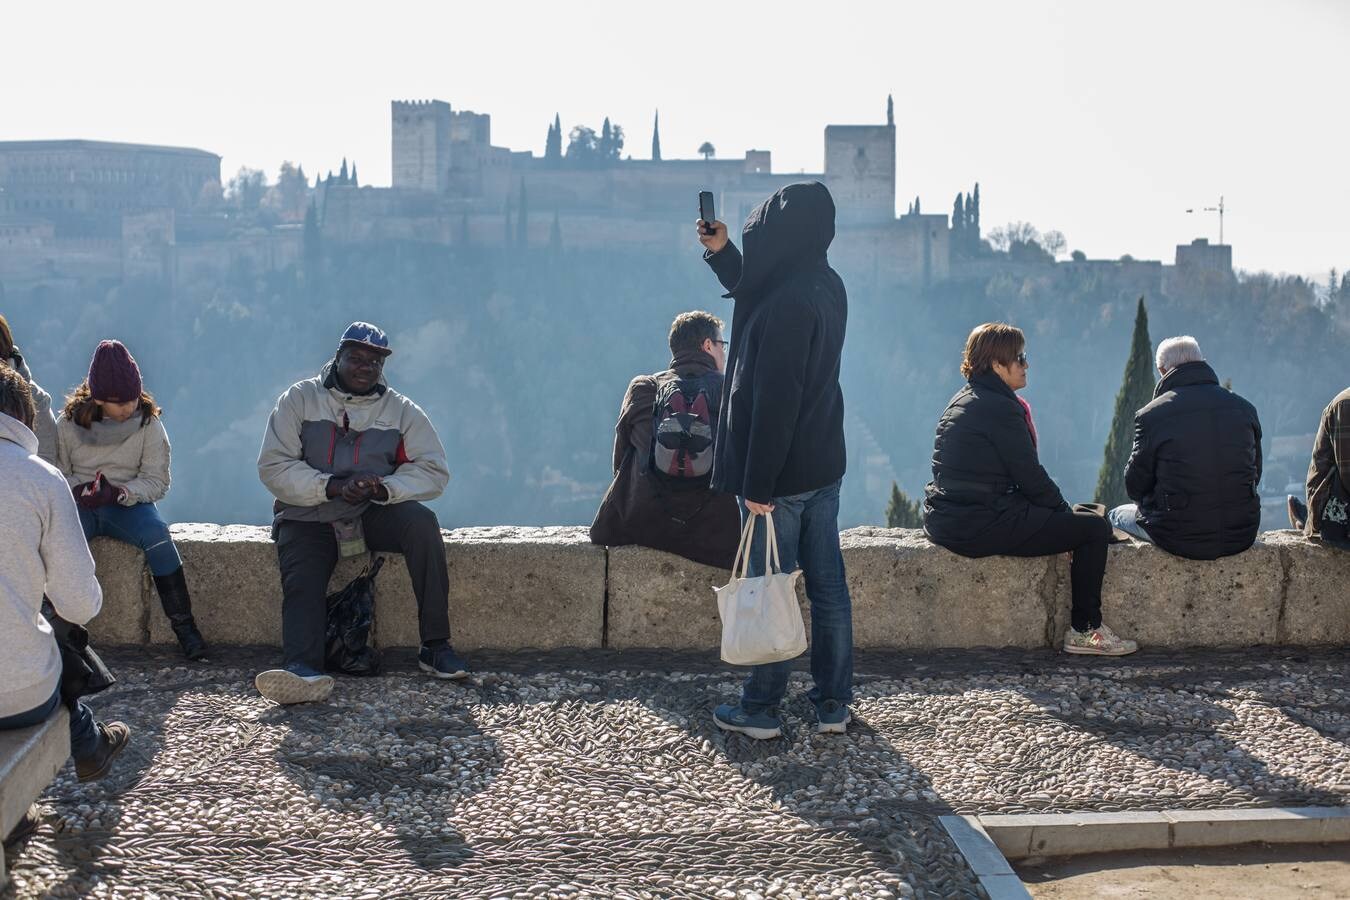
column 1218, row 209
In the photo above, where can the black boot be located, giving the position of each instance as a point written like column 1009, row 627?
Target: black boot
column 173, row 596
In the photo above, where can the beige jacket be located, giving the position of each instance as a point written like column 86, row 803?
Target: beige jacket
column 129, row 454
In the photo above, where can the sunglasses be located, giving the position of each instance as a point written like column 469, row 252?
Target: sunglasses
column 1022, row 360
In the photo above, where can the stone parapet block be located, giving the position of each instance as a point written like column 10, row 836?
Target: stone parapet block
column 909, row 593
column 1162, row 600
column 122, row 575
column 1316, row 592
column 29, row 760
column 659, row 599
column 510, row 588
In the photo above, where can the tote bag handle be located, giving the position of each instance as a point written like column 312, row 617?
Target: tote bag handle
column 740, row 568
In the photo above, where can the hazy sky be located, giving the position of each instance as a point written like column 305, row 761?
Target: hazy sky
column 1103, row 120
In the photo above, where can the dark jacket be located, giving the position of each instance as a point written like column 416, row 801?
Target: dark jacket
column 1330, row 460
column 700, row 525
column 989, row 492
column 782, row 427
column 1195, row 465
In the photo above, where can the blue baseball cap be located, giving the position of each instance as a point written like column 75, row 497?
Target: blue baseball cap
column 368, row 335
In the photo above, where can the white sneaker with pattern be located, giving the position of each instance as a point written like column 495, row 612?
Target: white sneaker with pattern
column 1101, row 641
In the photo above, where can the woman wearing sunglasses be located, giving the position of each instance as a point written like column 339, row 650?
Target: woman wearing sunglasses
column 990, row 495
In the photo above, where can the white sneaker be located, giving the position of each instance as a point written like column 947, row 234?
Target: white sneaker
column 283, row 686
column 1101, row 641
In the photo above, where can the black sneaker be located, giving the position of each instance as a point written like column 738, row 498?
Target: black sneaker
column 113, row 739
column 441, row 661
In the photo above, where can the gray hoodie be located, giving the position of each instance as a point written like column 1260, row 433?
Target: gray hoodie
column 44, row 552
column 45, row 425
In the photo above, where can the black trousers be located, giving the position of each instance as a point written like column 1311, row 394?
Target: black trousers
column 308, row 553
column 1086, row 535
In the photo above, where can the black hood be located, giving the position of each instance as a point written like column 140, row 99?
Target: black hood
column 789, row 231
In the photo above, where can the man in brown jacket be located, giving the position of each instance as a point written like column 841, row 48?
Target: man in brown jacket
column 1328, row 487
column 660, row 496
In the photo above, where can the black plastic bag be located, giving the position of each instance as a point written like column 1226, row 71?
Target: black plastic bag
column 82, row 670
column 351, row 612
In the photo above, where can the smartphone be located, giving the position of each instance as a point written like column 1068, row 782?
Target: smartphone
column 706, row 212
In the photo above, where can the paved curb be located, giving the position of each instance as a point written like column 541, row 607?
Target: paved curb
column 1069, row 834
column 983, row 856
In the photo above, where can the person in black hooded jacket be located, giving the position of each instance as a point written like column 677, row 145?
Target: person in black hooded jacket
column 991, row 496
column 780, row 439
column 1195, row 463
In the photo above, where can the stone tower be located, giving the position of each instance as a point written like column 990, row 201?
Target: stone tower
column 421, row 144
column 860, row 170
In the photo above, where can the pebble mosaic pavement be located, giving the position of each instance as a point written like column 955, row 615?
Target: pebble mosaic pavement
column 600, row 774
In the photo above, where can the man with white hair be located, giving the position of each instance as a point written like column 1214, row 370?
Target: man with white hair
column 1195, row 463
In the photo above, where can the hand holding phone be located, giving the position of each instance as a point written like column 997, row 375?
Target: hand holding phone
column 706, row 211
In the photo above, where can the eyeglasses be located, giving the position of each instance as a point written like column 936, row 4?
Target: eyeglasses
column 1022, row 360
column 723, row 344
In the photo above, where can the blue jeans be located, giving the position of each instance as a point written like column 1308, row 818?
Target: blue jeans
column 1126, row 518
column 808, row 537
column 139, row 525
column 83, row 733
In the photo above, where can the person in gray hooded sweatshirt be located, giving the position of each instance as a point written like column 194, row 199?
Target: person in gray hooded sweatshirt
column 45, row 554
column 780, row 439
column 44, row 423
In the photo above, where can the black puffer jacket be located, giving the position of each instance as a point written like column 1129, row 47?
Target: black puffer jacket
column 1195, row 466
column 989, row 492
column 782, row 426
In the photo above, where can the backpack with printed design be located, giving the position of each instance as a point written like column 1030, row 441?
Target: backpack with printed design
column 684, row 419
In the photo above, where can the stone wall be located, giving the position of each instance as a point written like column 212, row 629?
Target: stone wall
column 520, row 588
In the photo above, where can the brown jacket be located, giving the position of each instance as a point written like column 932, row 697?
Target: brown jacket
column 1330, row 459
column 699, row 525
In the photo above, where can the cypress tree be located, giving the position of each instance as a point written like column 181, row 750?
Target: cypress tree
column 973, row 211
column 917, row 209
column 342, row 174
column 656, row 137
column 553, row 146
column 354, row 182
column 959, row 221
column 555, row 236
column 522, row 218
column 313, row 246
column 1136, row 390
column 902, row 512
column 606, row 140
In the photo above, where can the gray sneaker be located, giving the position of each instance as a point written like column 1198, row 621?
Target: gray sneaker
column 1100, row 641
column 294, row 684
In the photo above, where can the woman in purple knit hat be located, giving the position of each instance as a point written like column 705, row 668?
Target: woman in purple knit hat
column 112, row 448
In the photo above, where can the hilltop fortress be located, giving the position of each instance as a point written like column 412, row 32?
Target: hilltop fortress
column 451, row 185
column 87, row 210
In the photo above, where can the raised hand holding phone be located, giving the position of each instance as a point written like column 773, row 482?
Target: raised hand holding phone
column 712, row 234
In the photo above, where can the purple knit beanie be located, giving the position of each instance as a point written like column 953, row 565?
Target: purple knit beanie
column 114, row 376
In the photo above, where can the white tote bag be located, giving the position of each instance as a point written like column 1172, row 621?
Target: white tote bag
column 761, row 621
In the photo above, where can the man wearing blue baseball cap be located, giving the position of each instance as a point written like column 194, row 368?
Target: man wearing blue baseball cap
column 348, row 460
